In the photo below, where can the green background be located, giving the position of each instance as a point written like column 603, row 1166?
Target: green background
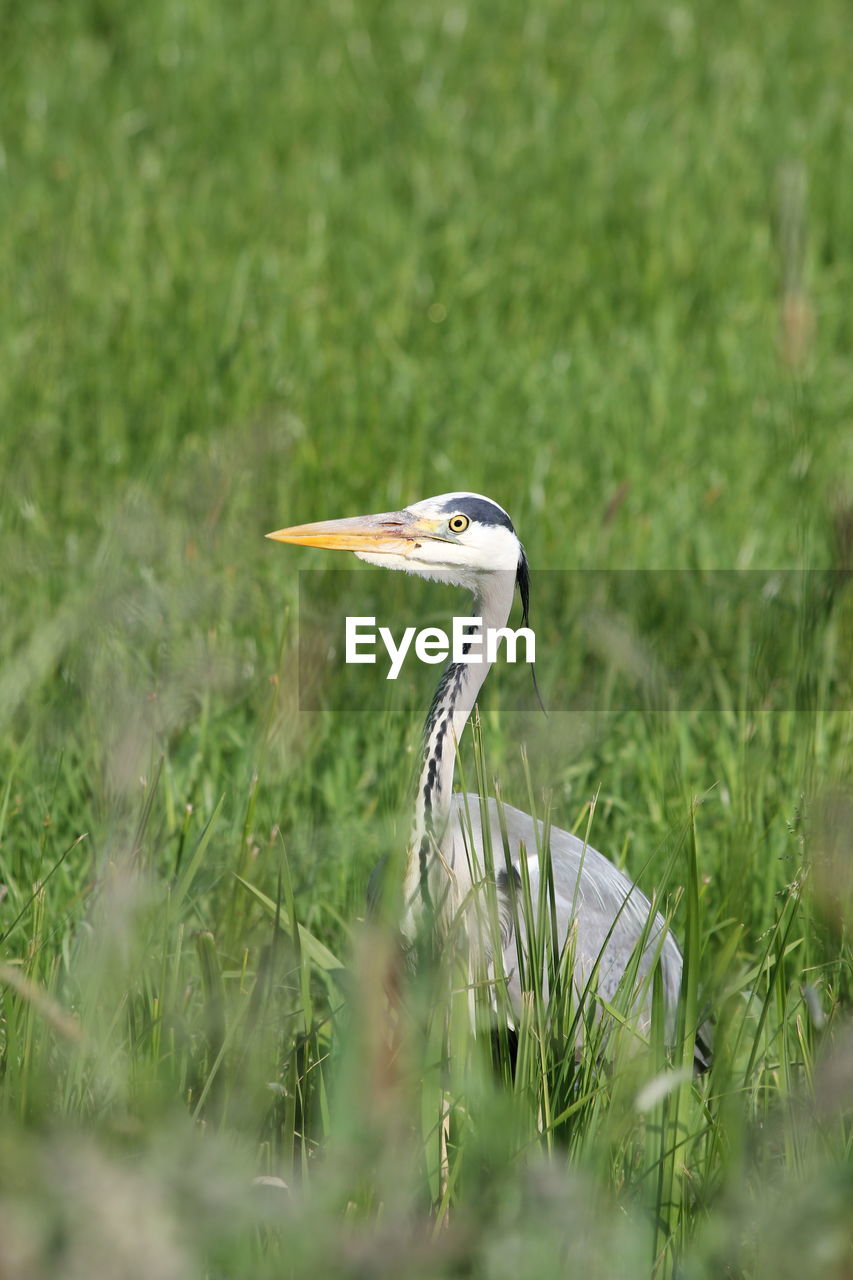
column 270, row 263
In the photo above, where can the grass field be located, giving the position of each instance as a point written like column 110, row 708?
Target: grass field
column 271, row 263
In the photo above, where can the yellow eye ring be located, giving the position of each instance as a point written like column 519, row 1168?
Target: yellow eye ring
column 458, row 524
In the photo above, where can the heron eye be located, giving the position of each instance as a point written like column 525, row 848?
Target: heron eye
column 458, row 524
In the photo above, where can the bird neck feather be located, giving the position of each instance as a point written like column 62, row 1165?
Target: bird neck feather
column 448, row 714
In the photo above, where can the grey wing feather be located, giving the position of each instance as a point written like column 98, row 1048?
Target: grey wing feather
column 608, row 912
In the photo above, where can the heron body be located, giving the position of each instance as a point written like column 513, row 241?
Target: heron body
column 607, row 911
column 468, row 540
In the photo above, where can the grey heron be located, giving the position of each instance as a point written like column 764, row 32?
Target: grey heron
column 468, row 540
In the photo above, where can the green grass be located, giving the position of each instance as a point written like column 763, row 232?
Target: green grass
column 274, row 262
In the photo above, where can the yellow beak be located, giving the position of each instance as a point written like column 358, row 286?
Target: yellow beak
column 392, row 532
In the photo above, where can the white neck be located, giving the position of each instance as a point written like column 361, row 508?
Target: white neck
column 448, row 714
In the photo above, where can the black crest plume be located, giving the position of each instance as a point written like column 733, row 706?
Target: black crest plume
column 522, row 581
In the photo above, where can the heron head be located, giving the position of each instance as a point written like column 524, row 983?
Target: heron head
column 460, row 538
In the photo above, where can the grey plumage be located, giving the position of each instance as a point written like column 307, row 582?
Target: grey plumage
column 608, row 914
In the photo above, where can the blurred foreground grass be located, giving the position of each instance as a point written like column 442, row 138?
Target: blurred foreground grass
column 282, row 262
